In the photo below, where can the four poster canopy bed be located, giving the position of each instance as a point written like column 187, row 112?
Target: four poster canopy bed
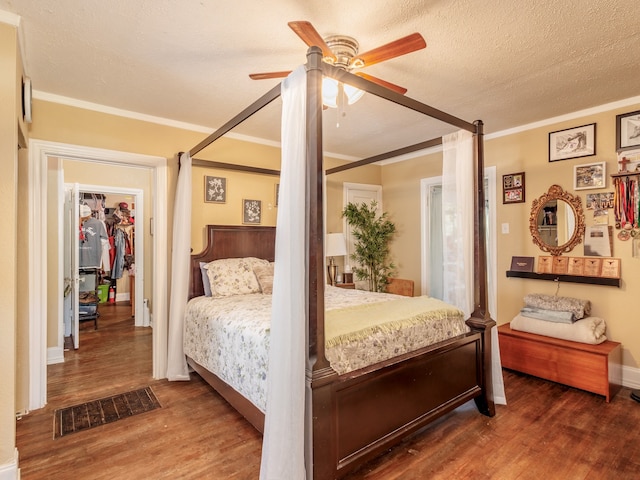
column 353, row 409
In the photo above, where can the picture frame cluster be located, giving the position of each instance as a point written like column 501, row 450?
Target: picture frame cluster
column 513, row 188
column 215, row 191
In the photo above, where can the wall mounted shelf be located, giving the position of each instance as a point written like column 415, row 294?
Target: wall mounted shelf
column 554, row 277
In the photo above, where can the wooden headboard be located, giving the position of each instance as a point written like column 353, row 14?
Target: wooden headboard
column 225, row 241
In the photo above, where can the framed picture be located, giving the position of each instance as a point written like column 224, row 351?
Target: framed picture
column 572, row 143
column 251, row 212
column 590, row 175
column 215, row 189
column 628, row 131
column 599, row 201
column 513, row 188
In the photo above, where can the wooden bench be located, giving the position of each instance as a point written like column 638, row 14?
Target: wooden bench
column 594, row 368
column 400, row 286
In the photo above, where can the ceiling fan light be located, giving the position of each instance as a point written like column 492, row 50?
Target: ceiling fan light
column 353, row 94
column 331, row 89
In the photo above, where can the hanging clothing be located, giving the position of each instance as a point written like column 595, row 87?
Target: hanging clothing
column 94, row 232
column 120, row 249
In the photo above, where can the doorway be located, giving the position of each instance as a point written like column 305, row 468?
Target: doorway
column 431, row 227
column 106, row 200
column 41, row 350
column 359, row 193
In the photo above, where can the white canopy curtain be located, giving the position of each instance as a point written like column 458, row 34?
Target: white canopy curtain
column 283, row 442
column 176, row 362
column 457, row 231
column 457, row 219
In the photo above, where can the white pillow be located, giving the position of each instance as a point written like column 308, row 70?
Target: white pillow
column 205, row 279
column 233, row 276
column 264, row 274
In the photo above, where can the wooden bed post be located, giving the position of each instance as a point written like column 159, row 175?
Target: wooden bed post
column 319, row 433
column 480, row 318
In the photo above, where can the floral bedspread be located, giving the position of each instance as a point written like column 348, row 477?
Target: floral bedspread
column 229, row 336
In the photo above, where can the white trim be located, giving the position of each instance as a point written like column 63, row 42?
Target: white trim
column 73, row 102
column 346, row 188
column 39, row 151
column 95, row 107
column 37, row 294
column 425, row 240
column 55, row 355
column 490, row 174
column 627, row 102
column 10, row 18
column 630, row 377
column 125, row 297
column 563, row 118
column 10, row 470
column 61, row 239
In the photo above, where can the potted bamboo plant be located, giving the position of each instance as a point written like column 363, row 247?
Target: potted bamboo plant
column 372, row 234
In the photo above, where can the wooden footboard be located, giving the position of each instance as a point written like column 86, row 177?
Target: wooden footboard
column 375, row 410
column 370, row 410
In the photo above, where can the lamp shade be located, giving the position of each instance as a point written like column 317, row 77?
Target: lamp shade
column 335, row 245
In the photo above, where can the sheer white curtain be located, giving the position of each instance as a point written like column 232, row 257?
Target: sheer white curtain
column 181, row 254
column 457, row 230
column 283, row 442
column 457, row 219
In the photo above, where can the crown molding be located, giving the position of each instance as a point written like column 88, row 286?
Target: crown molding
column 50, row 97
column 9, row 18
column 73, row 102
column 569, row 116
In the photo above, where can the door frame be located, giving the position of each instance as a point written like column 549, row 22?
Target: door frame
column 425, row 184
column 141, row 219
column 347, row 187
column 39, row 152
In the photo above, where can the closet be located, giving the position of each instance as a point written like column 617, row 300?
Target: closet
column 106, row 257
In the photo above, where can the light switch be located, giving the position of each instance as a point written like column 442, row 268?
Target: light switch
column 505, row 228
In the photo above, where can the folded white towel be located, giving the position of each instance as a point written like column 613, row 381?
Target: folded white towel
column 586, row 330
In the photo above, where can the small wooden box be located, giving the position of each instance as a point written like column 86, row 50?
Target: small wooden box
column 594, row 368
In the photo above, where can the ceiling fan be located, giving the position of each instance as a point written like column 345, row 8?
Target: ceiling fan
column 342, row 51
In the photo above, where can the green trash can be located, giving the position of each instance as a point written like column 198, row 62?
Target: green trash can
column 103, row 293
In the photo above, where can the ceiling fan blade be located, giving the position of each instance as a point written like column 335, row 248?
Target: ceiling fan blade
column 383, row 83
column 311, row 37
column 402, row 46
column 263, row 76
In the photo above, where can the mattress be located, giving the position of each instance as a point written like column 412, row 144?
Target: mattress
column 229, row 336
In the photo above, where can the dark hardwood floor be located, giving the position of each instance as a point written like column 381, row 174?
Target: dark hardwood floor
column 548, row 431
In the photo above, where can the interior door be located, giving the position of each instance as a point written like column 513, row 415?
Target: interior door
column 359, row 193
column 71, row 262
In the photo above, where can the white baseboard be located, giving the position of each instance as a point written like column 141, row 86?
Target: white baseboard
column 55, row 355
column 630, row 377
column 10, row 471
column 123, row 297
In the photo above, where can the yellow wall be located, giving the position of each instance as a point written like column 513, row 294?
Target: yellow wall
column 10, row 72
column 242, row 185
column 525, row 152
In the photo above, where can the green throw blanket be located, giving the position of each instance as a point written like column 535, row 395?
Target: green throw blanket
column 352, row 323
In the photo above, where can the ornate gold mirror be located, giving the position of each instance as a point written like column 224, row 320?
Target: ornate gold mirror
column 556, row 222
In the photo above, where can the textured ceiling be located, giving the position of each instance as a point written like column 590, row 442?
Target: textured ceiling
column 507, row 62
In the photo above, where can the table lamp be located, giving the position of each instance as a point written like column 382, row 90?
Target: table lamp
column 335, row 246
